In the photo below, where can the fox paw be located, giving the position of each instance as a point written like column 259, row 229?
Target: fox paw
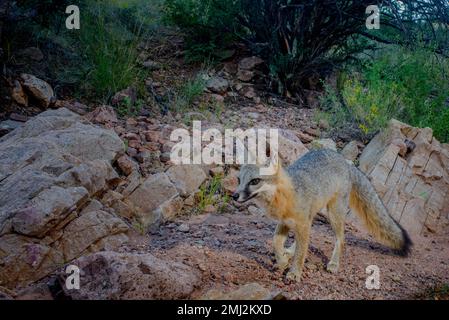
column 282, row 264
column 332, row 267
column 290, row 252
column 294, row 276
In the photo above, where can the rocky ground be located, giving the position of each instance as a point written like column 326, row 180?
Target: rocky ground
column 234, row 249
column 208, row 255
column 81, row 185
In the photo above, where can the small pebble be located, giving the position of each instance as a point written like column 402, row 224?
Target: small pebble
column 184, row 228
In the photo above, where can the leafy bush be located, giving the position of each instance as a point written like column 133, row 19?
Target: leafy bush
column 302, row 39
column 412, row 86
column 209, row 25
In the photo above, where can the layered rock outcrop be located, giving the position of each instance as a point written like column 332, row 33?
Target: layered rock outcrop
column 52, row 170
column 410, row 170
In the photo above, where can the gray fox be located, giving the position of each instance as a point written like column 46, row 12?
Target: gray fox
column 320, row 179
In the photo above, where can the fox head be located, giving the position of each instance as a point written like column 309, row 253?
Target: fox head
column 252, row 184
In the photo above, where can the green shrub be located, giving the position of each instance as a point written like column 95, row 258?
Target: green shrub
column 127, row 108
column 209, row 25
column 412, row 86
column 109, row 45
column 99, row 59
column 212, row 193
column 303, row 39
column 188, row 92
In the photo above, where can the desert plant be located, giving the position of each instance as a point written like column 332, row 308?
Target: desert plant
column 95, row 61
column 409, row 85
column 127, row 108
column 208, row 24
column 301, row 39
column 188, row 92
column 212, row 194
column 109, row 46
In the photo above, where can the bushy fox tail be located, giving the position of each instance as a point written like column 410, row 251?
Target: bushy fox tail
column 365, row 202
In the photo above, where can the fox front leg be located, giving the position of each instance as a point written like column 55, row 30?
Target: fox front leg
column 280, row 236
column 302, row 244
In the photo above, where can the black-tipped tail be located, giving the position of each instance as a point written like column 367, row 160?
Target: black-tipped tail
column 407, row 245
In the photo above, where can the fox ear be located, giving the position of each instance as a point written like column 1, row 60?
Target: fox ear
column 274, row 159
column 273, row 167
column 273, row 155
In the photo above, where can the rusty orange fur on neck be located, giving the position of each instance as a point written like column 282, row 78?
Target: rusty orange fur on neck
column 282, row 204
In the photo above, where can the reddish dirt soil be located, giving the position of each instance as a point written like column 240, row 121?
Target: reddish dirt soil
column 236, row 249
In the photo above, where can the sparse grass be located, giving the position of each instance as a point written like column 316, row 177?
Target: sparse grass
column 218, row 108
column 109, row 44
column 188, row 93
column 127, row 108
column 205, row 111
column 212, row 194
column 189, row 100
column 139, row 227
column 98, row 60
column 192, row 89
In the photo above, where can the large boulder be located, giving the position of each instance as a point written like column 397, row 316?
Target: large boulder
column 409, row 169
column 111, row 275
column 289, row 146
column 46, row 210
column 83, row 234
column 51, row 171
column 9, row 125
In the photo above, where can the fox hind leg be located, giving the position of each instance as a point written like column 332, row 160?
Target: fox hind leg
column 337, row 209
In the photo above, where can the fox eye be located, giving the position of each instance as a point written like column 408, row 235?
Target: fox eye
column 238, row 180
column 254, row 182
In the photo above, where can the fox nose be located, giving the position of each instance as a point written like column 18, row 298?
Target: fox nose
column 235, row 196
